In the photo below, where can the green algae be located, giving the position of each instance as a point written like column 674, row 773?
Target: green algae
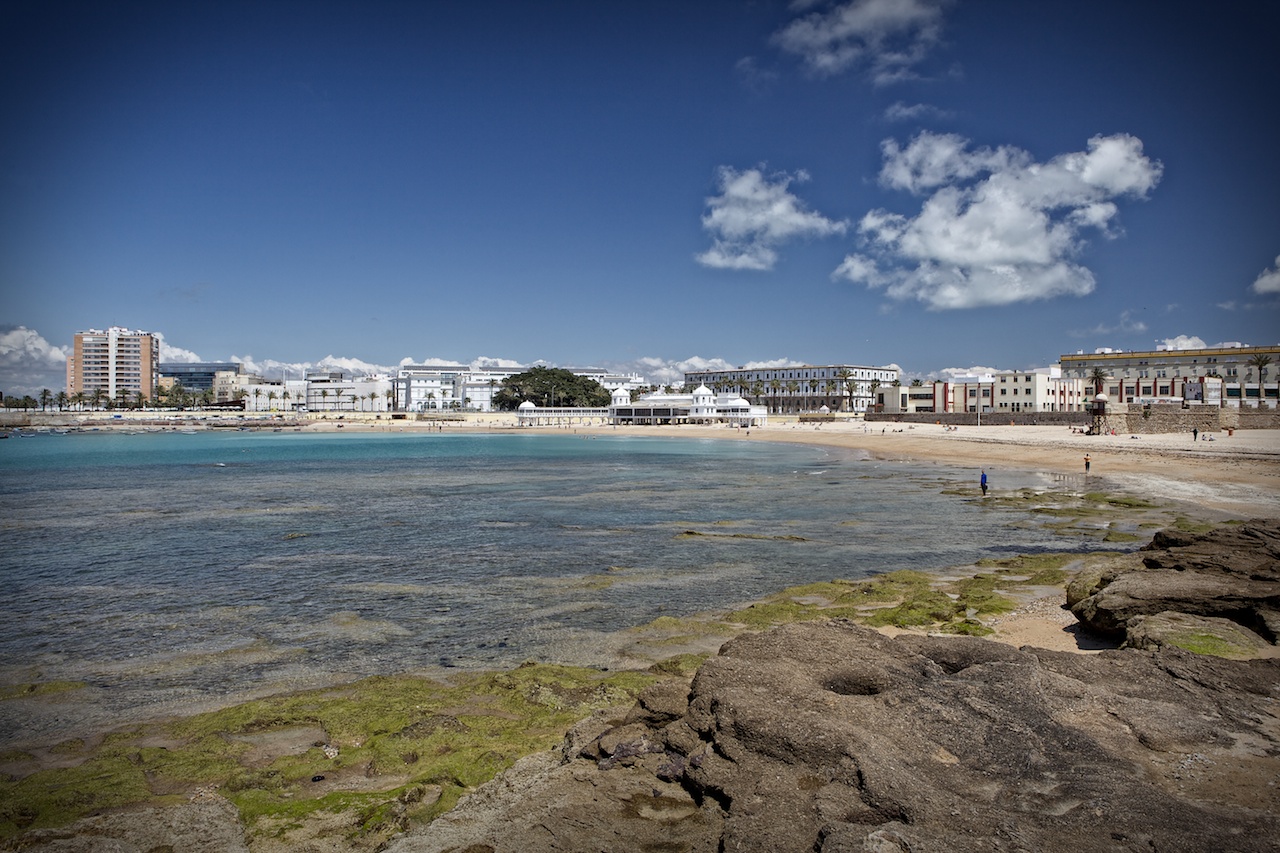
column 402, row 732
column 38, row 688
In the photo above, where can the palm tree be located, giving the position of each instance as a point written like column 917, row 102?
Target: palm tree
column 46, row 397
column 285, row 396
column 271, row 399
column 813, row 389
column 324, row 398
column 845, row 388
column 60, row 400
column 793, row 387
column 775, row 385
column 1260, row 361
column 1098, row 377
column 875, row 387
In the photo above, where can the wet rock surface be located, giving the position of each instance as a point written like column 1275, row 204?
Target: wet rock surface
column 833, row 737
column 1232, row 573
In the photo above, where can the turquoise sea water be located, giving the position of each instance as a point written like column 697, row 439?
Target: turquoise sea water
column 165, row 568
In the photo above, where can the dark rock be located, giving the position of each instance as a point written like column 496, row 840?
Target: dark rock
column 831, row 737
column 1230, row 573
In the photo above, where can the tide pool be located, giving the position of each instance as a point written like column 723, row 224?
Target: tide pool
column 165, row 568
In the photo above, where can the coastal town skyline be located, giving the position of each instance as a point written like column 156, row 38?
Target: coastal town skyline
column 941, row 186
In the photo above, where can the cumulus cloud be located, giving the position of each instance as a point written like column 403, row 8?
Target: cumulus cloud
column 772, row 364
column 995, row 227
column 1183, row 342
column 1268, row 281
column 753, row 214
column 169, row 353
column 885, row 38
column 270, row 368
column 948, row 374
column 29, row 363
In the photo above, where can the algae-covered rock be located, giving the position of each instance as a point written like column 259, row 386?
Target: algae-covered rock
column 826, row 736
column 1232, row 572
column 1206, row 635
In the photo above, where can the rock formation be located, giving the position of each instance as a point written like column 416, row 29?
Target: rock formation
column 832, row 737
column 1220, row 590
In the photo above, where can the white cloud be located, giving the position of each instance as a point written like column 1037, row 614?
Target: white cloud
column 772, row 364
column 1268, row 281
column 1123, row 325
column 170, row 353
column 887, row 38
column 753, row 214
column 950, row 374
column 483, row 362
column 1183, row 342
column 996, row 227
column 900, row 111
column 29, row 363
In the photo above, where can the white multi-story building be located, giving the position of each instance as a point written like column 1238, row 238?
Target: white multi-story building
column 444, row 386
column 1180, row 376
column 1002, row 393
column 700, row 406
column 801, row 388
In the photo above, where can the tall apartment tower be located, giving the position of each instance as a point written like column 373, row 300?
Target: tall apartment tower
column 117, row 360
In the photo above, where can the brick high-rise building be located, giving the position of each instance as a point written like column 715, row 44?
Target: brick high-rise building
column 117, row 361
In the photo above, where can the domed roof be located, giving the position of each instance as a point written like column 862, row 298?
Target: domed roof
column 527, row 404
column 702, row 390
column 1101, row 398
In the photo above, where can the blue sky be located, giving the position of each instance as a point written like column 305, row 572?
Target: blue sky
column 651, row 186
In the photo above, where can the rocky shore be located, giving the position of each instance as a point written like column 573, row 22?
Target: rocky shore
column 829, row 735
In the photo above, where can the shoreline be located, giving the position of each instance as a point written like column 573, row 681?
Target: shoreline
column 1232, row 477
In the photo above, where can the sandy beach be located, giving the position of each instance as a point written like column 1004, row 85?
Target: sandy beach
column 1233, row 475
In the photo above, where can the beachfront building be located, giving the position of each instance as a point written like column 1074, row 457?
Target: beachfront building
column 444, row 386
column 337, row 391
column 194, row 375
column 801, row 388
column 1011, row 392
column 700, row 406
column 113, row 365
column 1226, row 376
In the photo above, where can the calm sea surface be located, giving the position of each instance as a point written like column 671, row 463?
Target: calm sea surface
column 168, row 568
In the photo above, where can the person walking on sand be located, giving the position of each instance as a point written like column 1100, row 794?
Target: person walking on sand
column 1195, row 433
column 1086, row 463
column 983, row 483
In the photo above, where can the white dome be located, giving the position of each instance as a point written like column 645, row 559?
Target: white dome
column 1101, row 398
column 702, row 390
column 527, row 404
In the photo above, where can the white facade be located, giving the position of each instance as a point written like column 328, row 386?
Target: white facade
column 801, row 388
column 1227, row 376
column 445, row 386
column 1005, row 393
column 701, row 406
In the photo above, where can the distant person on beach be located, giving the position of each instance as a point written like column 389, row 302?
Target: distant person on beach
column 1195, row 433
column 1086, row 463
column 983, row 483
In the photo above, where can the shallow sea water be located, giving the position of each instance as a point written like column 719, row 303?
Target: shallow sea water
column 165, row 569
